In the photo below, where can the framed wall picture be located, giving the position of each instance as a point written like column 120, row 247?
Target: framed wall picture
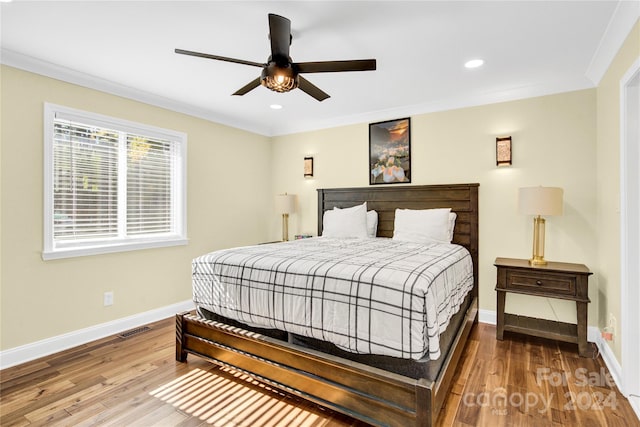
column 390, row 152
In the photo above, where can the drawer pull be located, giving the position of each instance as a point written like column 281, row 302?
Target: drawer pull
column 539, row 282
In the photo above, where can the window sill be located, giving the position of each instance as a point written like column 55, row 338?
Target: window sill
column 112, row 248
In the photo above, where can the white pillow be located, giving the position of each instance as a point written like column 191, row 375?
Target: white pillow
column 372, row 223
column 346, row 223
column 452, row 225
column 372, row 220
column 422, row 226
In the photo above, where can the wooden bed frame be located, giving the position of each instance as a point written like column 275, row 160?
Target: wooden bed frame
column 370, row 394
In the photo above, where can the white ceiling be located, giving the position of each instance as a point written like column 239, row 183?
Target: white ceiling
column 530, row 48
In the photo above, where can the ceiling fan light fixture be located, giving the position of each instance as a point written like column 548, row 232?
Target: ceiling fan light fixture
column 280, row 83
column 278, row 78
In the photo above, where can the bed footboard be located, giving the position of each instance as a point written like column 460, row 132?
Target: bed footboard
column 372, row 395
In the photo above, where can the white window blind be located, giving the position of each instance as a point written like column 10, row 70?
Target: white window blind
column 110, row 185
column 85, row 190
column 149, row 172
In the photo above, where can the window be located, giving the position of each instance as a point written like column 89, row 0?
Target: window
column 110, row 185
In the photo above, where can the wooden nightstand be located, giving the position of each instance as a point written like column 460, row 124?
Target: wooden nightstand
column 554, row 280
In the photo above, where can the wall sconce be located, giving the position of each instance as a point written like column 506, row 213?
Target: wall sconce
column 308, row 167
column 539, row 201
column 503, row 151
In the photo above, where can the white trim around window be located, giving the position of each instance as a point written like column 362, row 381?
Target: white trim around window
column 111, row 185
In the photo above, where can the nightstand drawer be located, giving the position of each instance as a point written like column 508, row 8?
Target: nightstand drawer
column 541, row 283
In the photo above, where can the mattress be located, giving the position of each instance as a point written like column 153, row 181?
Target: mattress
column 366, row 296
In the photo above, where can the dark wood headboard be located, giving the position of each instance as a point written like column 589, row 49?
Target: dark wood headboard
column 461, row 198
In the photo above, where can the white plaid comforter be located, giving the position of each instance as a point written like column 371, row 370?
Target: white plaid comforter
column 372, row 296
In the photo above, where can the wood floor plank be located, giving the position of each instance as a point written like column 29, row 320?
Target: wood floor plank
column 21, row 370
column 452, row 403
column 191, row 422
column 80, row 416
column 469, row 411
column 57, row 402
column 136, row 411
column 16, row 400
column 135, row 381
column 35, row 377
column 143, row 385
column 15, row 422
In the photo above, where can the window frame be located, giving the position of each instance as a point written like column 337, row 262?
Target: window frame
column 51, row 250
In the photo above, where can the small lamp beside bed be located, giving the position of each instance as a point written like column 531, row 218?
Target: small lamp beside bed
column 539, row 201
column 285, row 204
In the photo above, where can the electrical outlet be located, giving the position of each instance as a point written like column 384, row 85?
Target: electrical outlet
column 108, row 299
column 612, row 325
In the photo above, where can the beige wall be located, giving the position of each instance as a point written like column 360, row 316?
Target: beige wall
column 229, row 199
column 568, row 140
column 554, row 144
column 608, row 183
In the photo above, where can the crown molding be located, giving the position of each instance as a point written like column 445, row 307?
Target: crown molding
column 37, row 66
column 622, row 21
column 48, row 69
column 471, row 100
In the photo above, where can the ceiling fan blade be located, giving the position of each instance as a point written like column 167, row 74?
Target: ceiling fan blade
column 310, row 89
column 248, row 87
column 280, row 35
column 335, row 66
column 219, row 58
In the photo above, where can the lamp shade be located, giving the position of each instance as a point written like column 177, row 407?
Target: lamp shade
column 540, row 201
column 285, row 203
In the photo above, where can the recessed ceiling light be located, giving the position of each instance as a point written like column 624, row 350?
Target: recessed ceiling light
column 275, row 106
column 474, row 63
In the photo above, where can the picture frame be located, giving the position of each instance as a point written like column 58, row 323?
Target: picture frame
column 390, row 152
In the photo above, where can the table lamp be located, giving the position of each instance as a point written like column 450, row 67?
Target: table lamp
column 285, row 204
column 539, row 201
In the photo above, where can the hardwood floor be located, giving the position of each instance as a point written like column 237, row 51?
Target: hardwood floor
column 135, row 381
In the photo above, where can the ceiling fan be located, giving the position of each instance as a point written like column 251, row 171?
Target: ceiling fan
column 280, row 74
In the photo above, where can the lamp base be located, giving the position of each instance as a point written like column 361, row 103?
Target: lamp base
column 285, row 227
column 537, row 258
column 537, row 261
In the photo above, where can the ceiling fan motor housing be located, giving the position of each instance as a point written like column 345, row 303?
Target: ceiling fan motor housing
column 279, row 77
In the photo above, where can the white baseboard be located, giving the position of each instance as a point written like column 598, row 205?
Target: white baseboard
column 635, row 404
column 487, row 316
column 17, row 355
column 595, row 335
